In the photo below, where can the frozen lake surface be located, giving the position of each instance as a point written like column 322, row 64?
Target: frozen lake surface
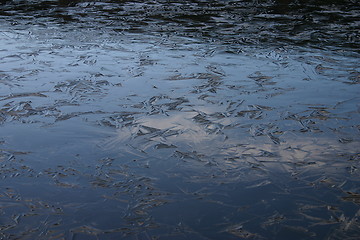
column 179, row 120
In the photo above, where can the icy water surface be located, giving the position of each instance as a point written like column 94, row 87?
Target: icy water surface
column 179, row 120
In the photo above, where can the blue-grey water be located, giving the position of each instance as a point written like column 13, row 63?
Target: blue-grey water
column 162, row 119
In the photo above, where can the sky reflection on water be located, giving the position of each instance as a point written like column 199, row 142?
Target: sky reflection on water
column 143, row 125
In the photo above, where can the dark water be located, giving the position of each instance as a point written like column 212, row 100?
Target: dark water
column 179, row 119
